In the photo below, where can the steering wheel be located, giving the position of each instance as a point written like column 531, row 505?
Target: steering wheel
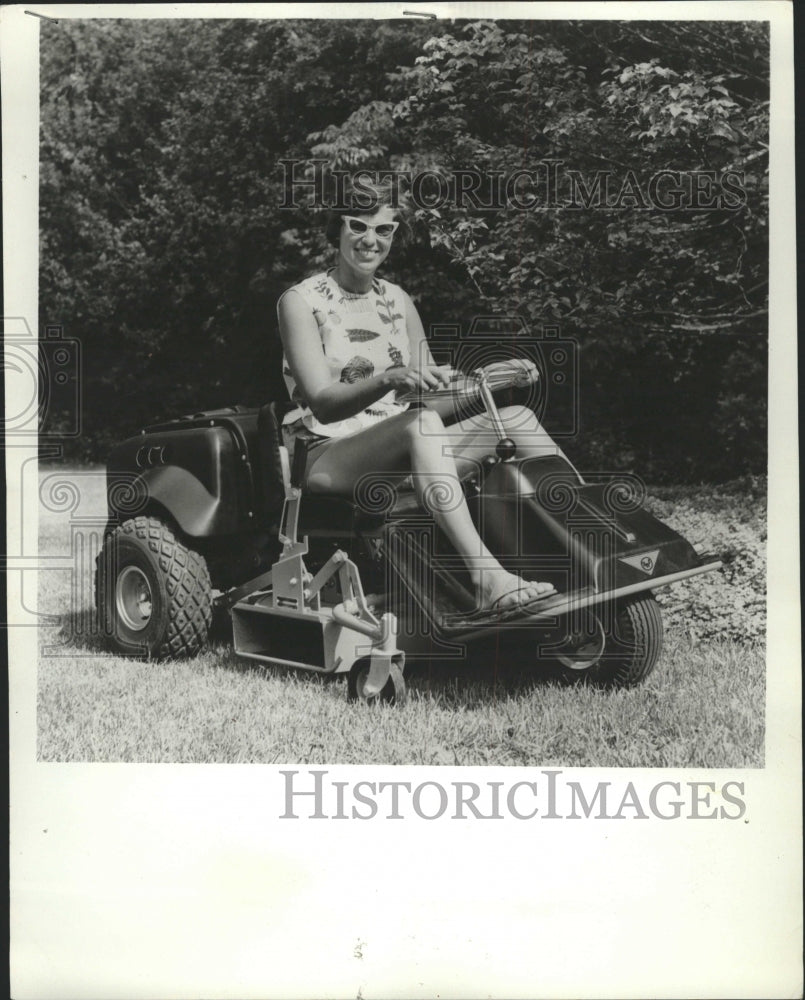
column 497, row 375
column 482, row 382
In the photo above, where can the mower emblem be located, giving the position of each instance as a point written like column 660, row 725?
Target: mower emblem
column 645, row 561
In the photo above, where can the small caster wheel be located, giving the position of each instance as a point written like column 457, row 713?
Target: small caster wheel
column 393, row 692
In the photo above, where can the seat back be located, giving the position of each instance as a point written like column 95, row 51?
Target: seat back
column 274, row 465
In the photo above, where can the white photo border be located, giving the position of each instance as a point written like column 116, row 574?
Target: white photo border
column 183, row 881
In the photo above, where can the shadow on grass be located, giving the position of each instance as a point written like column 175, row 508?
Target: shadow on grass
column 74, row 632
column 488, row 671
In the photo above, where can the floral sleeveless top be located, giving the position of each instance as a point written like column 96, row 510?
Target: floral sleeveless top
column 361, row 335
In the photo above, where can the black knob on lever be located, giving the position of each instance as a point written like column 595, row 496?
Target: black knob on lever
column 506, row 449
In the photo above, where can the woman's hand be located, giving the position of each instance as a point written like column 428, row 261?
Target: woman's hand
column 417, row 378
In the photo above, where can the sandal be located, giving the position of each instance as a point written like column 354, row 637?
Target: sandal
column 496, row 607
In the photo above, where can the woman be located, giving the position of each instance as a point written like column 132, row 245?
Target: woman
column 352, row 341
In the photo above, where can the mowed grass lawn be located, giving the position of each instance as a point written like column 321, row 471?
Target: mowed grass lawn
column 702, row 707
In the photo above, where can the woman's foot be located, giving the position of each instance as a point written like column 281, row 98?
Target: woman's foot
column 500, row 590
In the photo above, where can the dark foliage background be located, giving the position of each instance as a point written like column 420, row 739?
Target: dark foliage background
column 164, row 250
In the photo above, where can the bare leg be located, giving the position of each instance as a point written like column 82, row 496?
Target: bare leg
column 470, row 440
column 418, row 441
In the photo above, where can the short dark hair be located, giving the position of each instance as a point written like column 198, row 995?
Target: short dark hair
column 364, row 197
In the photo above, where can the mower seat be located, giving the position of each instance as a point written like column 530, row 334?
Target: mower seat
column 320, row 512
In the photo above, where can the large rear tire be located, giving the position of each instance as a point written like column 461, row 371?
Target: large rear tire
column 153, row 594
column 631, row 646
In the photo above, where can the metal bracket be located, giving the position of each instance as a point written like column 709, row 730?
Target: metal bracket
column 289, row 522
column 290, row 578
column 384, row 654
column 230, row 597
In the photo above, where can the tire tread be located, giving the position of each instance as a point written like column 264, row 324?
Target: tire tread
column 631, row 657
column 187, row 582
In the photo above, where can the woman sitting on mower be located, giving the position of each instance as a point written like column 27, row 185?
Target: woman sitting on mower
column 352, row 341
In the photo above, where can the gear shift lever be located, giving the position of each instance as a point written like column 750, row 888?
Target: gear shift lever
column 505, row 449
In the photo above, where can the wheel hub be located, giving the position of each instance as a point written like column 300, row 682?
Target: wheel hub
column 360, row 685
column 584, row 645
column 133, row 598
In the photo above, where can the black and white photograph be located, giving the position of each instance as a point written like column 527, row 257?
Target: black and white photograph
column 441, row 373
column 402, row 432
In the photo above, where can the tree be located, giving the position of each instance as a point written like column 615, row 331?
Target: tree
column 165, row 243
column 661, row 276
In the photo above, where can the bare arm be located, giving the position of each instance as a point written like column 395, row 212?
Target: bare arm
column 331, row 401
column 420, row 350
